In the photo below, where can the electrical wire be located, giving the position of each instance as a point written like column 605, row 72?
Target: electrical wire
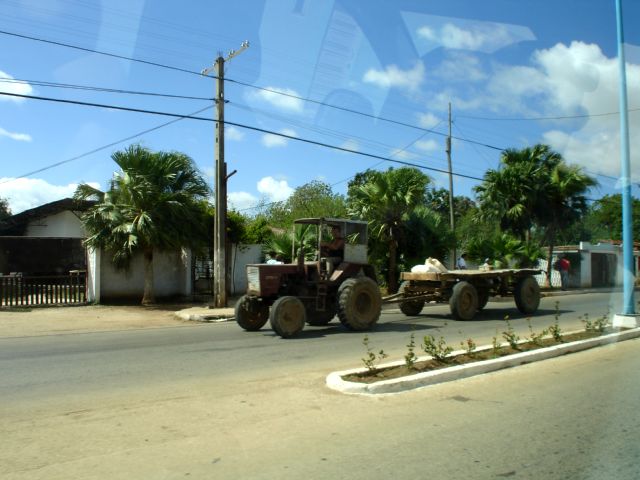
column 42, row 83
column 235, row 124
column 104, row 147
column 248, row 85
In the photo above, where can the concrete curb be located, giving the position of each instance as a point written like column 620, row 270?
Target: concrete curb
column 335, row 382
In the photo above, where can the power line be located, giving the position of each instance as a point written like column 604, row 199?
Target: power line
column 98, row 52
column 102, row 105
column 317, row 102
column 42, row 83
column 95, row 150
column 239, row 125
column 562, row 117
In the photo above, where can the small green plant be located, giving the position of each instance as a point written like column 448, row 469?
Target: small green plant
column 588, row 324
column 510, row 335
column 438, row 350
column 496, row 346
column 555, row 330
column 536, row 338
column 469, row 346
column 410, row 357
column 601, row 324
column 372, row 359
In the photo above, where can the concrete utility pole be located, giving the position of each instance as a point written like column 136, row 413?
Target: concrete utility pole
column 220, row 225
column 628, row 317
column 452, row 221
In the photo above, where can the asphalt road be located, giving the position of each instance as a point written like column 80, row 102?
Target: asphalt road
column 217, row 402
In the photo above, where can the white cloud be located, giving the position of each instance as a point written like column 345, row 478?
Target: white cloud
column 241, row 200
column 476, row 36
column 281, row 98
column 392, row 76
column 270, row 141
column 233, row 133
column 563, row 80
column 429, row 146
column 461, row 67
column 351, row 144
column 428, row 120
column 25, row 193
column 20, row 137
column 13, row 87
column 275, row 190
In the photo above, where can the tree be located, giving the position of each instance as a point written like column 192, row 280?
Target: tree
column 564, row 203
column 157, row 201
column 512, row 193
column 385, row 200
column 313, row 199
column 534, row 187
column 5, row 211
column 604, row 218
column 438, row 201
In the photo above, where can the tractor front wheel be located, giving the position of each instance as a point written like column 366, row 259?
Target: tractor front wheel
column 287, row 316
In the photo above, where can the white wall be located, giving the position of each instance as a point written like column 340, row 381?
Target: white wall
column 64, row 224
column 241, row 256
column 171, row 276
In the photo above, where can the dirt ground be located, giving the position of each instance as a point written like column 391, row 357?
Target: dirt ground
column 26, row 322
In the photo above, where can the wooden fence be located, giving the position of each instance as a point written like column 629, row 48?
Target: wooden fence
column 17, row 290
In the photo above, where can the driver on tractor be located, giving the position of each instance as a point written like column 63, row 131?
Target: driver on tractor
column 334, row 248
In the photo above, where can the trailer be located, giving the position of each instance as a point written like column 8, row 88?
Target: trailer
column 467, row 291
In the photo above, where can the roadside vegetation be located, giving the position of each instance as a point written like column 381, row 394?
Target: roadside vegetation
column 441, row 354
column 531, row 202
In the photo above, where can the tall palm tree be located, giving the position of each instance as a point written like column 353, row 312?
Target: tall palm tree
column 157, row 201
column 511, row 194
column 564, row 203
column 534, row 187
column 385, row 200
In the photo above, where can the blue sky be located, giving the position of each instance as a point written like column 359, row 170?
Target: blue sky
column 515, row 72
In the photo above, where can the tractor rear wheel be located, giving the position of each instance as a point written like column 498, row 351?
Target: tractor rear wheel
column 359, row 303
column 251, row 314
column 287, row 316
column 527, row 294
column 464, row 301
column 410, row 308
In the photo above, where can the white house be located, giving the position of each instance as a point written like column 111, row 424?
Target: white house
column 48, row 240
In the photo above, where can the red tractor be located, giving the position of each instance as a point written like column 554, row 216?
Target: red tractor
column 337, row 281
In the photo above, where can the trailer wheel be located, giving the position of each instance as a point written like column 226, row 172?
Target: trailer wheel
column 527, row 294
column 359, row 303
column 483, row 298
column 464, row 301
column 251, row 314
column 287, row 316
column 410, row 308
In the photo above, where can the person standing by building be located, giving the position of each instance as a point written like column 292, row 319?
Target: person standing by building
column 564, row 265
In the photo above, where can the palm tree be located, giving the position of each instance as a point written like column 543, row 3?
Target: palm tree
column 156, row 202
column 511, row 194
column 534, row 187
column 385, row 200
column 564, row 203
